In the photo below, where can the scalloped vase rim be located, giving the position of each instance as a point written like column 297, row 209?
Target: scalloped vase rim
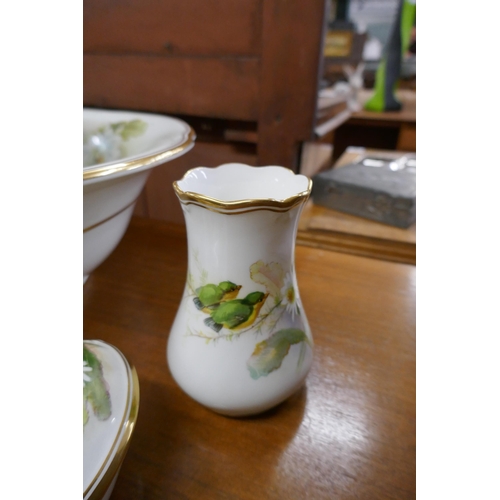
column 232, row 183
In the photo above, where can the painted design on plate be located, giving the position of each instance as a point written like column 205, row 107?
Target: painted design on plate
column 95, row 394
column 107, row 143
column 231, row 312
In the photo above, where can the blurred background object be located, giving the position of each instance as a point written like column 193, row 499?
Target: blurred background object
column 245, row 75
column 345, row 231
column 389, row 68
column 371, row 22
column 351, row 76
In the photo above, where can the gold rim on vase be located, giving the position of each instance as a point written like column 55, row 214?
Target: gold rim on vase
column 244, row 205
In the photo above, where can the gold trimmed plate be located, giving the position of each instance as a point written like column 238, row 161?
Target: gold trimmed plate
column 110, row 409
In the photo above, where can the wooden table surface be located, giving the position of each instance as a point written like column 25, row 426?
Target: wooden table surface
column 348, row 433
column 407, row 114
column 384, row 130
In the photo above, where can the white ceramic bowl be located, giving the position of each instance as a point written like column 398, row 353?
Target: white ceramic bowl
column 110, row 408
column 120, row 149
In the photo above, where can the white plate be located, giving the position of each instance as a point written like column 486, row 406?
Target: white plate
column 110, row 407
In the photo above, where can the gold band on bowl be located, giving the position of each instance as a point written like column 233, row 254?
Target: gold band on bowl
column 128, row 424
column 125, row 166
column 241, row 206
column 89, row 228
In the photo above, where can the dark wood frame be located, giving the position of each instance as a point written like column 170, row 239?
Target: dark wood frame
column 254, row 61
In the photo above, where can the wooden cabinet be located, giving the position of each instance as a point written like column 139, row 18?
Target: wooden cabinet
column 244, row 74
column 253, row 61
column 173, row 27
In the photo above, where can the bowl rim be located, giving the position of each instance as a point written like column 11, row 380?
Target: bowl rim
column 243, row 205
column 114, row 459
column 145, row 160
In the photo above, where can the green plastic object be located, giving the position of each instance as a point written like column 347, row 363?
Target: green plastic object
column 389, row 69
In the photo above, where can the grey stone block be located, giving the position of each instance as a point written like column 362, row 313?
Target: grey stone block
column 376, row 189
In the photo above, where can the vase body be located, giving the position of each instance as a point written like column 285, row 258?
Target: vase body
column 240, row 343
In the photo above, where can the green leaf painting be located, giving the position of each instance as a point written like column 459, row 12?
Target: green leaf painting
column 269, row 354
column 107, row 143
column 229, row 314
column 95, row 393
column 132, row 128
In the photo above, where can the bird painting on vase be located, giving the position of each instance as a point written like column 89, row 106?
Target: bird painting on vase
column 236, row 314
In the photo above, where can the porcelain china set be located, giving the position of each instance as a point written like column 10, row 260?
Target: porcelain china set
column 240, row 343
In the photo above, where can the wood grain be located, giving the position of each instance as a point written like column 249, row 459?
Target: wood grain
column 251, row 60
column 348, row 433
column 330, row 229
column 211, row 87
column 292, row 41
column 175, row 27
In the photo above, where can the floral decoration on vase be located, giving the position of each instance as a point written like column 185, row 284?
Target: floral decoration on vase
column 231, row 312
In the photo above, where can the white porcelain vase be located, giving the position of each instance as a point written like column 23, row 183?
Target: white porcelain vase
column 240, row 343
